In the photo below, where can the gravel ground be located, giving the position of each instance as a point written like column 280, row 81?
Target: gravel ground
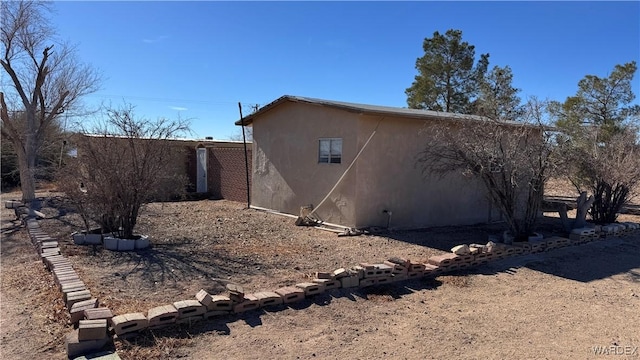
column 552, row 305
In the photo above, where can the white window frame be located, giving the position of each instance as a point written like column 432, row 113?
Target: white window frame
column 334, row 156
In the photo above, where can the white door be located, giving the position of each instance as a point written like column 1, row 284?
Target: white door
column 201, row 174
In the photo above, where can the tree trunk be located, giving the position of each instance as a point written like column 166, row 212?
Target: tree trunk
column 584, row 204
column 26, row 165
column 27, row 156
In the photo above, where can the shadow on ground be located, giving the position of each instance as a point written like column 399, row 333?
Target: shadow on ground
column 584, row 263
column 219, row 325
column 177, row 261
column 445, row 237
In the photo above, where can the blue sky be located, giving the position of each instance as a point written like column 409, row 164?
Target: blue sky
column 196, row 60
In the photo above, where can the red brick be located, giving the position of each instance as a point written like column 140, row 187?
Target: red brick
column 98, row 313
column 92, row 329
column 340, row 273
column 324, row 275
column 431, row 270
column 220, row 303
column 328, row 284
column 78, row 309
column 72, row 284
column 311, row 288
column 189, row 308
column 76, row 296
column 359, row 270
column 350, row 281
column 268, row 298
column 443, row 260
column 66, row 278
column 215, row 313
column 452, row 267
column 131, row 322
column 250, row 302
column 367, row 282
column 405, row 263
column 291, row 294
column 204, row 298
column 162, row 316
column 75, row 347
column 397, row 268
column 399, row 277
column 378, row 270
column 226, row 173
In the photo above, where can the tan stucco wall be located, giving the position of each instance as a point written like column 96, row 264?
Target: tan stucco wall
column 286, row 173
column 389, row 179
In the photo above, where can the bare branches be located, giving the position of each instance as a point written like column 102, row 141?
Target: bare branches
column 512, row 161
column 124, row 163
column 610, row 170
column 42, row 83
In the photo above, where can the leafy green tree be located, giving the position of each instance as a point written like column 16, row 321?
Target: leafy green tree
column 599, row 140
column 447, row 80
column 601, row 102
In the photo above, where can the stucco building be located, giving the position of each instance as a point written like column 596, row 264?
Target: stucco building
column 302, row 147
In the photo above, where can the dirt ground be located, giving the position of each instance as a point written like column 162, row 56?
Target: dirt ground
column 554, row 305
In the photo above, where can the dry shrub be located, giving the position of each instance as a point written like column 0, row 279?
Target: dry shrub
column 510, row 159
column 123, row 163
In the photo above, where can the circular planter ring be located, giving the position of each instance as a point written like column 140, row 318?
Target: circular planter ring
column 111, row 243
column 116, row 244
column 142, row 242
column 126, row 244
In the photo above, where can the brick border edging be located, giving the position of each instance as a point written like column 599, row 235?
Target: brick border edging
column 98, row 326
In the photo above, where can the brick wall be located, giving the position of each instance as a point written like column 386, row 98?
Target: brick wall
column 226, row 173
column 191, row 167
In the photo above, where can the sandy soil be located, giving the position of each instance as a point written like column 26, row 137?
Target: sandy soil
column 553, row 305
column 33, row 318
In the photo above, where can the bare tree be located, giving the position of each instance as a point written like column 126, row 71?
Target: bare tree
column 124, row 163
column 42, row 83
column 610, row 169
column 248, row 130
column 238, row 135
column 512, row 159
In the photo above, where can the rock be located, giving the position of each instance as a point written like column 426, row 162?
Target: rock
column 491, row 246
column 479, row 247
column 461, row 250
